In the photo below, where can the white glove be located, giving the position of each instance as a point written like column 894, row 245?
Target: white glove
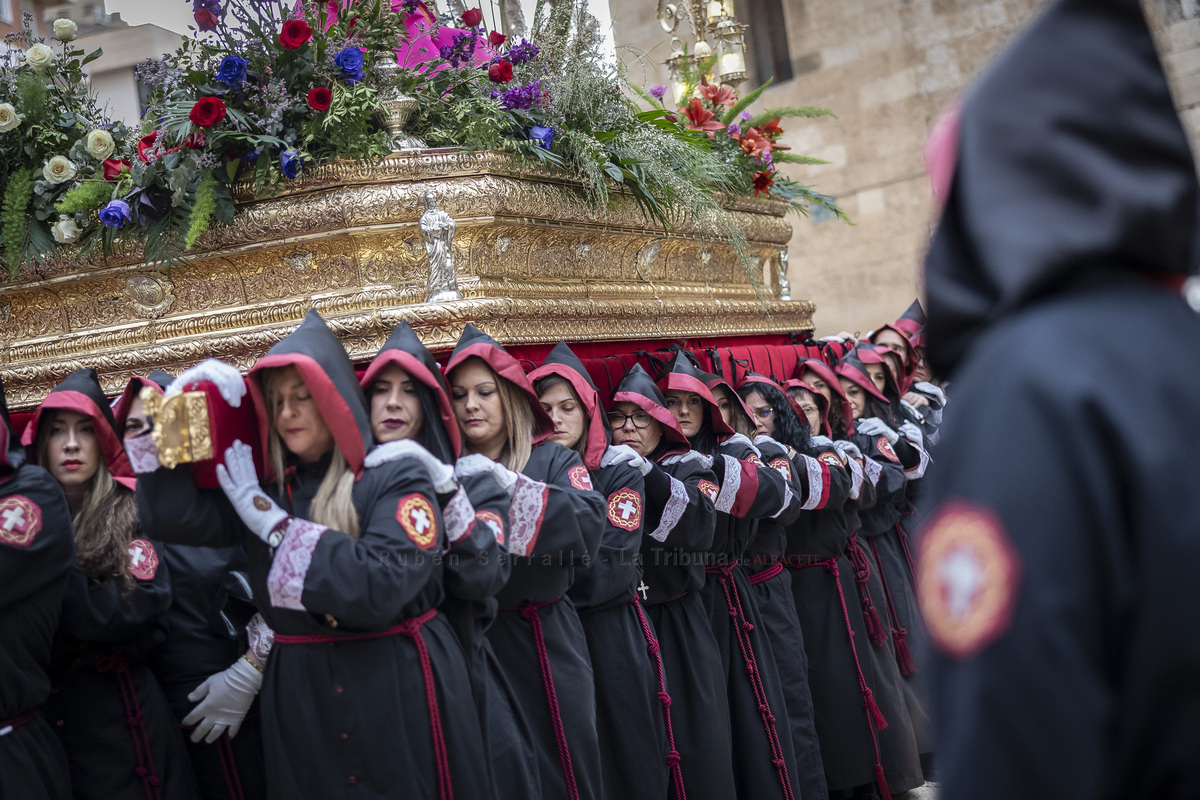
column 624, row 454
column 441, row 473
column 143, row 453
column 476, row 464
column 739, row 438
column 844, row 336
column 240, row 481
column 847, row 449
column 874, row 426
column 762, row 439
column 226, row 378
column 223, row 700
column 912, row 433
column 822, row 441
column 927, row 388
column 690, row 455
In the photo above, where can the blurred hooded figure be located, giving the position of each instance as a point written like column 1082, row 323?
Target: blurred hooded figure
column 1057, row 570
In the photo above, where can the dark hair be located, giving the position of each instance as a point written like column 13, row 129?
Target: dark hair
column 874, row 407
column 705, row 441
column 789, row 429
column 433, row 436
column 545, row 384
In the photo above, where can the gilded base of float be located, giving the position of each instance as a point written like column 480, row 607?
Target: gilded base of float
column 535, row 264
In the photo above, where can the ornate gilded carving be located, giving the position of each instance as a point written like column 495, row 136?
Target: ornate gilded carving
column 534, row 262
column 181, row 431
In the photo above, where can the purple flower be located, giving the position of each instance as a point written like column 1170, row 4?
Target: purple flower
column 350, row 62
column 520, row 97
column 213, row 6
column 291, row 163
column 765, row 158
column 409, row 6
column 734, row 129
column 542, row 135
column 150, row 204
column 115, row 214
column 232, row 71
column 460, row 50
column 745, row 115
column 521, row 53
column 657, row 92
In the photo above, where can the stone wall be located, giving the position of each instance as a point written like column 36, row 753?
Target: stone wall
column 886, row 68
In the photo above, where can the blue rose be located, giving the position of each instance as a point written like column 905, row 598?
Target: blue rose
column 542, row 135
column 115, row 214
column 350, row 62
column 250, row 157
column 232, row 71
column 292, row 163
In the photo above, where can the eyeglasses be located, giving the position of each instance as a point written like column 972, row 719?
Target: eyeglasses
column 640, row 419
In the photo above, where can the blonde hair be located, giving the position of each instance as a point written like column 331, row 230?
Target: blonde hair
column 333, row 505
column 518, row 422
column 106, row 521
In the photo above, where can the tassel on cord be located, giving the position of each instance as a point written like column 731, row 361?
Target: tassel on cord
column 904, row 658
column 877, row 717
column 874, row 627
column 881, row 782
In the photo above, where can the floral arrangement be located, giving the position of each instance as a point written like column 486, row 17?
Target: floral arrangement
column 264, row 89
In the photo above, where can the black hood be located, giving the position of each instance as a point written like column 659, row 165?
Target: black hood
column 404, row 349
column 318, row 355
column 912, row 320
column 1072, row 167
column 474, row 343
column 639, row 388
column 158, row 379
column 563, row 362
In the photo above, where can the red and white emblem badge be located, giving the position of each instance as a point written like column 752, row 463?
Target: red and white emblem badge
column 710, row 489
column 143, row 560
column 493, row 521
column 885, row 447
column 967, row 578
column 416, row 516
column 20, row 520
column 579, row 477
column 783, row 466
column 754, row 459
column 829, row 459
column 625, row 509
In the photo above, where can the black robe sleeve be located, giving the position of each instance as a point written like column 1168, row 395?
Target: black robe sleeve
column 680, row 513
column 612, row 571
column 171, row 508
column 105, row 611
column 558, row 514
column 749, row 489
column 36, row 545
column 475, row 567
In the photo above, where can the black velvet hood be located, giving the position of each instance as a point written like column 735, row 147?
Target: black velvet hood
column 1072, row 168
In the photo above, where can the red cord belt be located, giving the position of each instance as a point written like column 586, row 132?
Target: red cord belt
column 412, row 629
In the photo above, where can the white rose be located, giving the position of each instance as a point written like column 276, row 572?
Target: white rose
column 64, row 30
column 40, row 57
column 59, row 169
column 9, row 118
column 65, row 231
column 100, row 144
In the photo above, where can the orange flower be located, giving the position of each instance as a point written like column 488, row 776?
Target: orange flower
column 771, row 131
column 717, row 95
column 763, row 183
column 700, row 118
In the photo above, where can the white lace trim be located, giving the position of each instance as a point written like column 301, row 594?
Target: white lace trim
column 918, row 471
column 816, row 483
column 459, row 516
column 143, row 454
column 872, row 469
column 672, row 511
column 730, row 485
column 525, row 514
column 293, row 557
column 261, row 637
column 788, row 496
column 856, row 478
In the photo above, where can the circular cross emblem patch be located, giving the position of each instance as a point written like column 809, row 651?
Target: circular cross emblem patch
column 579, row 477
column 493, row 521
column 829, row 459
column 416, row 517
column 710, row 490
column 143, row 560
column 625, row 509
column 20, row 520
column 783, row 466
column 885, row 447
column 967, row 577
column 754, row 459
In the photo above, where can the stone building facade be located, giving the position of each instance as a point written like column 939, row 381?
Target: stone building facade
column 886, row 68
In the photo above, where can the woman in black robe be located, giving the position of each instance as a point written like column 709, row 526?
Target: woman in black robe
column 342, row 561
column 632, row 706
column 764, row 757
column 555, row 522
column 409, row 402
column 36, row 554
column 680, row 519
column 210, row 611
column 121, row 737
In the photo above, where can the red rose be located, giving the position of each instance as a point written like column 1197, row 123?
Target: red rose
column 294, row 34
column 207, row 112
column 206, row 20
column 472, row 17
column 320, row 98
column 145, row 144
column 500, row 72
column 113, row 166
column 496, row 39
